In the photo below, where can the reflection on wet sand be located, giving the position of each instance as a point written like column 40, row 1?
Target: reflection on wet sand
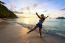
column 15, row 33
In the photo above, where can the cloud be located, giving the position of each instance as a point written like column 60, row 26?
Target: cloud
column 63, row 9
column 36, row 5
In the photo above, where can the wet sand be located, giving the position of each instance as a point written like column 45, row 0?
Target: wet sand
column 15, row 33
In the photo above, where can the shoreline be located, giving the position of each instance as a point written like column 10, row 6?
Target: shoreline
column 44, row 31
column 30, row 26
column 14, row 32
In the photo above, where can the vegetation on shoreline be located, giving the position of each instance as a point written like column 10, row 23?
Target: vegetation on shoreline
column 60, row 18
column 5, row 12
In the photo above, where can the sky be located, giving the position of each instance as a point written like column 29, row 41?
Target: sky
column 53, row 8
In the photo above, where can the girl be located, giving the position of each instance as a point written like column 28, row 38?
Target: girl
column 39, row 24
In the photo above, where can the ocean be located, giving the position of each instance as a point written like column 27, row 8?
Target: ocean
column 53, row 26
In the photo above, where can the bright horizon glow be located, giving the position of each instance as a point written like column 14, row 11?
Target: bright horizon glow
column 29, row 7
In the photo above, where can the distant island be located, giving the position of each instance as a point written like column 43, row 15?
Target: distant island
column 60, row 18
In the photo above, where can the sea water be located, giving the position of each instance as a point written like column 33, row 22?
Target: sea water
column 54, row 26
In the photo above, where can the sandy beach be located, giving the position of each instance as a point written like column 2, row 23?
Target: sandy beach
column 16, row 33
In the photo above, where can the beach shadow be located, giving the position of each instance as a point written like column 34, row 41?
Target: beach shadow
column 3, row 24
column 42, row 39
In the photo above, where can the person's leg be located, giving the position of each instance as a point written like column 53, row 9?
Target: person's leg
column 40, row 31
column 32, row 29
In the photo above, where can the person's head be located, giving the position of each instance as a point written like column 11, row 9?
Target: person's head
column 42, row 15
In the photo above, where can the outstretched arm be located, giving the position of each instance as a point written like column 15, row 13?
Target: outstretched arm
column 38, row 15
column 47, row 16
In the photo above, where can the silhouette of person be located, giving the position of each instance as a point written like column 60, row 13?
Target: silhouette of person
column 39, row 24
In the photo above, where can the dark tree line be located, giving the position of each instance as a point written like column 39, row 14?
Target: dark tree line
column 5, row 12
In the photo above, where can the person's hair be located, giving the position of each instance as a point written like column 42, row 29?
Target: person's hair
column 42, row 14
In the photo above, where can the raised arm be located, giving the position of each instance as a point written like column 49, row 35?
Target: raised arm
column 47, row 16
column 38, row 15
